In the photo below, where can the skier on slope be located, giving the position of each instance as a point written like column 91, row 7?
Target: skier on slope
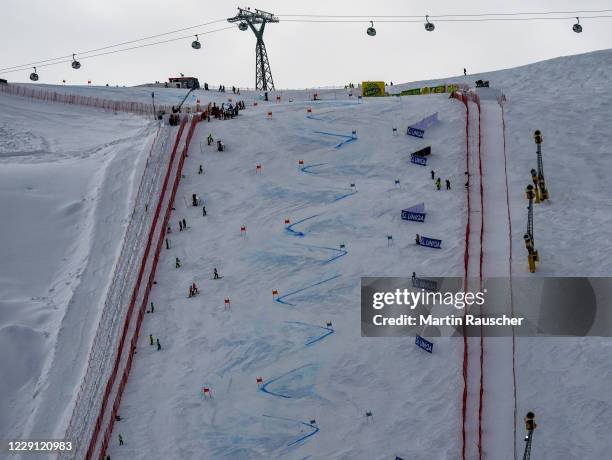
column 204, row 211
column 184, row 224
column 151, row 339
column 120, row 439
column 195, row 289
column 215, row 274
column 209, row 139
column 433, row 174
column 201, row 170
column 448, row 187
column 438, row 183
column 465, row 71
column 180, row 226
column 418, row 239
column 158, row 345
column 177, row 263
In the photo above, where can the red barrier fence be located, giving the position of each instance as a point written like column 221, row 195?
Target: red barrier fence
column 106, row 309
column 81, row 100
column 194, row 121
column 501, row 101
column 465, row 98
column 111, row 381
column 103, row 417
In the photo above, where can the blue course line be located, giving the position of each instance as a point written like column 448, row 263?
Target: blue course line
column 314, row 428
column 265, row 385
column 346, row 140
column 315, row 117
column 280, row 299
column 296, row 233
column 306, row 169
column 341, row 197
column 334, row 134
column 329, row 332
column 341, row 144
column 341, row 253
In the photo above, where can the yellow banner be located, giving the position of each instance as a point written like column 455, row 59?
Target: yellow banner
column 373, row 88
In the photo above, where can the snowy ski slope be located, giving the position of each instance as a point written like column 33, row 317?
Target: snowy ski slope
column 68, row 176
column 309, row 371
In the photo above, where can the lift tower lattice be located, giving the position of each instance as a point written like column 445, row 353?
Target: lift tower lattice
column 249, row 19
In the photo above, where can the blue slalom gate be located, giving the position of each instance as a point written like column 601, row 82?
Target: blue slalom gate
column 264, row 387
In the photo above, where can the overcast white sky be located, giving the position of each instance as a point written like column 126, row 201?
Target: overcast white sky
column 301, row 55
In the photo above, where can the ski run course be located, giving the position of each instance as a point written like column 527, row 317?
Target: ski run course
column 88, row 175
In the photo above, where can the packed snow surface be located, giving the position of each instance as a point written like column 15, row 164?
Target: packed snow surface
column 66, row 194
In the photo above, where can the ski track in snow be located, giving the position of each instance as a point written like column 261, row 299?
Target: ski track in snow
column 317, row 296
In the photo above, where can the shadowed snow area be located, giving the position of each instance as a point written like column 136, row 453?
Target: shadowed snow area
column 66, row 178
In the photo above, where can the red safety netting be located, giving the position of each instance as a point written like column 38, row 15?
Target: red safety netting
column 501, row 101
column 133, row 320
column 81, row 100
column 465, row 98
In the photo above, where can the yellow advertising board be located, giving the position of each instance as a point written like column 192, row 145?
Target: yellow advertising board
column 373, row 88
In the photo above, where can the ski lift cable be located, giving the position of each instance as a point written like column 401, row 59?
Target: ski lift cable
column 415, row 21
column 116, row 45
column 474, row 15
column 477, row 17
column 126, row 49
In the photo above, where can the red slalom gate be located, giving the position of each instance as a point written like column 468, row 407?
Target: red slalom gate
column 82, row 100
